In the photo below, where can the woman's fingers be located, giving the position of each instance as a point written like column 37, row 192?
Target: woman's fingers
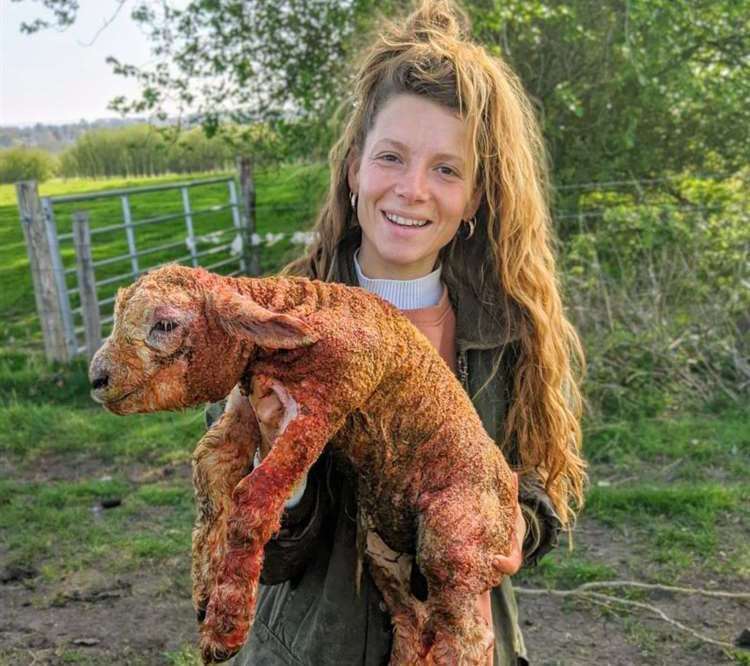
column 510, row 564
column 269, row 410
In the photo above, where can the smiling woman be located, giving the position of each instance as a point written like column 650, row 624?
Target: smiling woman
column 437, row 203
column 411, row 188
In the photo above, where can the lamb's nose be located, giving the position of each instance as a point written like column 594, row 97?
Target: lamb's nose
column 100, row 382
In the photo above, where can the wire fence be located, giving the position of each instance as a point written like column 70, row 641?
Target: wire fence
column 193, row 234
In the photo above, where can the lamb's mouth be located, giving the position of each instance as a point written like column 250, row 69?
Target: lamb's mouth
column 107, row 402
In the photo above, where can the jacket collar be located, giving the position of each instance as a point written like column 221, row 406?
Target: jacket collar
column 478, row 325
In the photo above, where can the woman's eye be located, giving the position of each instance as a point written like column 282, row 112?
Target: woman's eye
column 447, row 171
column 389, row 157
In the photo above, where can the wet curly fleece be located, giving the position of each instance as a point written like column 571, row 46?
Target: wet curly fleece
column 350, row 370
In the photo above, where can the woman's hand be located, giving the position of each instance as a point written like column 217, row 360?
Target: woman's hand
column 271, row 404
column 510, row 564
column 269, row 411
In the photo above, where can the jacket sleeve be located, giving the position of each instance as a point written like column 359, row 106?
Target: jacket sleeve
column 289, row 551
column 543, row 523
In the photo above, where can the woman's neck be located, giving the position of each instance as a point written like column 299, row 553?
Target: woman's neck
column 422, row 292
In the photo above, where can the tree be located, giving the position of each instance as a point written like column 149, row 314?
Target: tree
column 275, row 62
column 21, row 163
column 630, row 88
column 625, row 88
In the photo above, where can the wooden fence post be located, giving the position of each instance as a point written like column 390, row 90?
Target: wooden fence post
column 87, row 282
column 247, row 189
column 41, row 260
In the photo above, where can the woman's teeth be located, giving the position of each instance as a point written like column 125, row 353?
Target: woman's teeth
column 405, row 221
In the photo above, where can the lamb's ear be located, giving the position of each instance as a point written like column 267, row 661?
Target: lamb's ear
column 241, row 315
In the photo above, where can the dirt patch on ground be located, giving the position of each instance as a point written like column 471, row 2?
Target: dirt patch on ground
column 132, row 619
column 140, row 617
column 561, row 632
column 570, row 632
column 51, row 468
column 92, row 616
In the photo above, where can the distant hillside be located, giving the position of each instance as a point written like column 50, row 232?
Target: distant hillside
column 55, row 138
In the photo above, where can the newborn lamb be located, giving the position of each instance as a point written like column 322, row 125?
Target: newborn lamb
column 349, row 369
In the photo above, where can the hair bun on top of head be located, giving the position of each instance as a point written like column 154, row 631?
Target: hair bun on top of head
column 442, row 16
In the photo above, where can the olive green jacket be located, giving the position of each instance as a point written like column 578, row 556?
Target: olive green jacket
column 308, row 610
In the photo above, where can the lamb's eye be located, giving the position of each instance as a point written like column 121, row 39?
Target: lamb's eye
column 164, row 326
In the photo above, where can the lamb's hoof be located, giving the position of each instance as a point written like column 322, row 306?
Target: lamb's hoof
column 215, row 653
column 441, row 649
column 200, row 613
column 221, row 637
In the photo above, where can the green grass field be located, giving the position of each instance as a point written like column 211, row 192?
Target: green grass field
column 286, row 201
column 61, row 454
column 668, row 502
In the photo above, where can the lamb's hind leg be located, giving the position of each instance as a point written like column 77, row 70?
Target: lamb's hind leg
column 258, row 502
column 455, row 633
column 458, row 549
column 223, row 457
column 391, row 572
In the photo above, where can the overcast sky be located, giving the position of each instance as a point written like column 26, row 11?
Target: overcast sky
column 54, row 77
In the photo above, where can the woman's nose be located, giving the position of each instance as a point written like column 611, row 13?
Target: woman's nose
column 413, row 184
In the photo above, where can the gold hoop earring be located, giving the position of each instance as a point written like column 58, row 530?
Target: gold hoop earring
column 472, row 224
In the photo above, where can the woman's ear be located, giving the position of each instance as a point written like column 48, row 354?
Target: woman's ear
column 473, row 206
column 352, row 171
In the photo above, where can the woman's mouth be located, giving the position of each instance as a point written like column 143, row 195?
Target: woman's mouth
column 405, row 222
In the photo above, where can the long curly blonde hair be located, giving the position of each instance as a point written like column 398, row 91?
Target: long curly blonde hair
column 429, row 54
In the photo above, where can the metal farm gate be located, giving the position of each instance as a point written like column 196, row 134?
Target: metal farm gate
column 83, row 247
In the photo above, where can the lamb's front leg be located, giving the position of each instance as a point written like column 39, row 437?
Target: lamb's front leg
column 223, row 457
column 258, row 502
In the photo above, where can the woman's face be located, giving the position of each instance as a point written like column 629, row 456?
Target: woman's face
column 413, row 187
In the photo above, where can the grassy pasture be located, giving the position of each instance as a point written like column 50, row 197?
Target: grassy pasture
column 669, row 498
column 286, row 201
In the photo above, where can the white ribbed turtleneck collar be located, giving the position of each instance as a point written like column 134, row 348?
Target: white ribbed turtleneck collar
column 423, row 292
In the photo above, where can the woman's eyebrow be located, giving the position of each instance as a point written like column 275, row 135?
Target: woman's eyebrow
column 404, row 148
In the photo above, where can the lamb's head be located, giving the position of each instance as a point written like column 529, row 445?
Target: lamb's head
column 163, row 350
column 183, row 336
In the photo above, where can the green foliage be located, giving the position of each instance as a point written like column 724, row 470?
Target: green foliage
column 260, row 62
column 673, row 495
column 165, row 495
column 186, row 656
column 690, row 504
column 692, row 449
column 622, row 89
column 561, row 571
column 162, row 545
column 141, row 150
column 680, row 522
column 25, row 164
column 656, row 284
column 62, row 524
